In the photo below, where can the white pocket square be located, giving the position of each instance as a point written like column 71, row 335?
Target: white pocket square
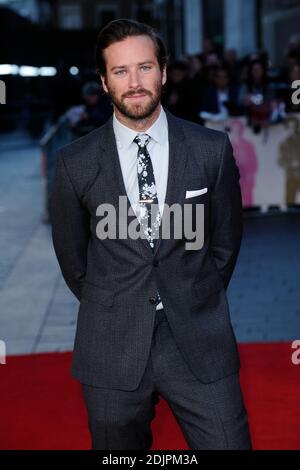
column 194, row 193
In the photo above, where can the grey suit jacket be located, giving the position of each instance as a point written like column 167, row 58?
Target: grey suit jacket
column 115, row 279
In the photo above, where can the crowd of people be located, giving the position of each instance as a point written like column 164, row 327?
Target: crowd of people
column 214, row 86
column 209, row 86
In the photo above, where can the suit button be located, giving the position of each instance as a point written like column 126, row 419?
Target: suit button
column 152, row 300
column 155, row 263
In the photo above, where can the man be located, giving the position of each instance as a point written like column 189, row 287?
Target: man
column 219, row 100
column 153, row 318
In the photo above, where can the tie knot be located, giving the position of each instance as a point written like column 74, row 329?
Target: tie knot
column 142, row 140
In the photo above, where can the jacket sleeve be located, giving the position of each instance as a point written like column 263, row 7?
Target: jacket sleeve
column 70, row 228
column 226, row 214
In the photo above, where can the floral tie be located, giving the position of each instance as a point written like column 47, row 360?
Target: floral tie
column 149, row 209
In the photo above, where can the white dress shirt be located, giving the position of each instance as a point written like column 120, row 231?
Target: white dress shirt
column 158, row 148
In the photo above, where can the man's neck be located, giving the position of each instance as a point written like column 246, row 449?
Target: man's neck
column 140, row 125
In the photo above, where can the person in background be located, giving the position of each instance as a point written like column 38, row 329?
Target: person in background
column 178, row 92
column 255, row 96
column 210, row 54
column 256, row 89
column 232, row 65
column 94, row 112
column 220, row 100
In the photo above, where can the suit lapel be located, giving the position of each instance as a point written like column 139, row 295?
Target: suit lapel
column 175, row 192
column 110, row 163
column 177, row 161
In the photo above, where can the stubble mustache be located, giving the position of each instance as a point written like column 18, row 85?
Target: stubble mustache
column 137, row 92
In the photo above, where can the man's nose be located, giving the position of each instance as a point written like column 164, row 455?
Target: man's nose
column 134, row 79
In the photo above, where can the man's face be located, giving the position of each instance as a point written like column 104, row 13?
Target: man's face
column 133, row 76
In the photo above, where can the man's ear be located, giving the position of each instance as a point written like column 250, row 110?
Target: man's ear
column 103, row 81
column 164, row 75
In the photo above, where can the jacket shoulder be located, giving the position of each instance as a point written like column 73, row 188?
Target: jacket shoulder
column 194, row 131
column 82, row 159
column 81, row 147
column 206, row 146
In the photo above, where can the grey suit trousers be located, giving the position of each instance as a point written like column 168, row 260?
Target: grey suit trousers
column 211, row 415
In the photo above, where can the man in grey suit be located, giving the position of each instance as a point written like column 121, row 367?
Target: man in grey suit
column 153, row 318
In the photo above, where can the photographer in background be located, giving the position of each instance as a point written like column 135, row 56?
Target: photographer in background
column 93, row 113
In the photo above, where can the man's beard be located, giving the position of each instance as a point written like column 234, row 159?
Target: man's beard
column 137, row 111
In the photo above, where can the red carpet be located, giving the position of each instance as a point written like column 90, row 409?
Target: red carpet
column 42, row 408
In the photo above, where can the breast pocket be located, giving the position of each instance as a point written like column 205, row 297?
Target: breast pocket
column 196, row 208
column 196, row 191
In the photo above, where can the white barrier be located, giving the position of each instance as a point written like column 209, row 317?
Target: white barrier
column 269, row 162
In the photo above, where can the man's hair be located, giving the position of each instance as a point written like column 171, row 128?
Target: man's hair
column 120, row 29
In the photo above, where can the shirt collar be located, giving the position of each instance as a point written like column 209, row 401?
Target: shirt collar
column 158, row 131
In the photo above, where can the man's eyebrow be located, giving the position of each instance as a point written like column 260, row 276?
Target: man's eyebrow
column 147, row 62
column 140, row 63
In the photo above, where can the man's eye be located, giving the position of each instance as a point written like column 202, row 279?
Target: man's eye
column 119, row 72
column 146, row 67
